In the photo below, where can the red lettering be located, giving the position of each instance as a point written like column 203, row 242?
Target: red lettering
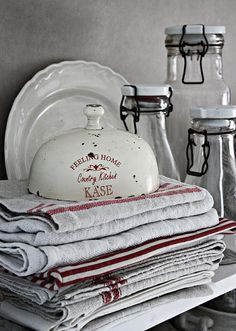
column 83, row 160
column 96, row 193
column 109, row 189
column 82, row 179
column 87, row 193
column 105, row 176
column 102, row 191
column 87, row 158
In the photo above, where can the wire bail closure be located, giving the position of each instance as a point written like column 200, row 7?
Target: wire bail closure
column 189, row 153
column 206, row 150
column 135, row 111
column 201, row 53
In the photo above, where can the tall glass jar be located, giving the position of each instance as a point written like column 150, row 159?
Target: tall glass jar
column 144, row 110
column 194, row 70
column 211, row 159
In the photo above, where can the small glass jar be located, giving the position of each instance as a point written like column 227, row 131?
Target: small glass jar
column 210, row 155
column 195, row 72
column 144, row 110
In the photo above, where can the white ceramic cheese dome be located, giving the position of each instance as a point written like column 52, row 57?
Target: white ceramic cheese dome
column 94, row 163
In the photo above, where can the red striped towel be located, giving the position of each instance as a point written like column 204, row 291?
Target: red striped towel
column 64, row 216
column 105, row 264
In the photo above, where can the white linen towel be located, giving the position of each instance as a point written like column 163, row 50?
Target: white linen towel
column 104, row 323
column 72, row 308
column 197, row 254
column 37, row 233
column 72, row 274
column 23, row 259
column 173, row 200
column 113, row 320
column 75, row 316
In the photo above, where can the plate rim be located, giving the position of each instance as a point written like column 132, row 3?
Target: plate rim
column 31, row 81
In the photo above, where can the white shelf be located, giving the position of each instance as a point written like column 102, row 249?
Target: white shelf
column 224, row 281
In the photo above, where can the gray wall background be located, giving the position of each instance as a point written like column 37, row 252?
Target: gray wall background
column 127, row 35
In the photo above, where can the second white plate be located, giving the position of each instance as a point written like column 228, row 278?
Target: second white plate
column 52, row 102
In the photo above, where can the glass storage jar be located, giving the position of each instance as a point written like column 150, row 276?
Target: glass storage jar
column 194, row 70
column 149, row 106
column 210, row 155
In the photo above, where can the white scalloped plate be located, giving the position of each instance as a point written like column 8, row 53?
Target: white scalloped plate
column 52, row 102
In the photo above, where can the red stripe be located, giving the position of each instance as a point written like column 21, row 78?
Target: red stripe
column 112, row 282
column 91, row 277
column 102, row 264
column 119, row 201
column 36, row 207
column 45, row 282
column 222, row 220
column 49, row 205
column 218, row 229
column 106, row 296
column 110, row 296
column 164, row 186
column 116, row 294
column 34, row 279
column 147, row 250
column 170, row 187
column 58, row 283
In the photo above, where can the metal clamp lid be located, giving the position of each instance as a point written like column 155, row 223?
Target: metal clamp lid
column 201, row 53
column 214, row 112
column 205, row 147
column 146, row 90
column 196, row 39
column 195, row 29
column 189, row 153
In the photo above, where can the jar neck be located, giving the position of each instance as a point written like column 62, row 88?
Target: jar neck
column 211, row 65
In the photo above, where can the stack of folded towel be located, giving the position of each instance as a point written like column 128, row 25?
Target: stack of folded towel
column 64, row 264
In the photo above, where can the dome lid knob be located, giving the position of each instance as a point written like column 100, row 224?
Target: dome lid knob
column 94, row 113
